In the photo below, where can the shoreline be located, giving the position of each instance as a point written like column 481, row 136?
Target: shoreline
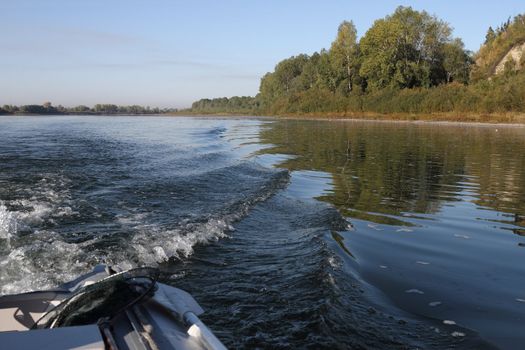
column 514, row 119
column 511, row 119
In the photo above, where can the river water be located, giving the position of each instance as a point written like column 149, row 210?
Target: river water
column 290, row 233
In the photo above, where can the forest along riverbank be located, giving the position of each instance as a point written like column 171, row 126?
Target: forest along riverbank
column 407, row 65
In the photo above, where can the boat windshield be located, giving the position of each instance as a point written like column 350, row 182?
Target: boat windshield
column 103, row 299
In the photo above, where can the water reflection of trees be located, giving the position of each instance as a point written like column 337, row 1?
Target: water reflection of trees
column 382, row 170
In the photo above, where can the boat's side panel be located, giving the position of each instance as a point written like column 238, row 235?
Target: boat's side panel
column 75, row 338
column 20, row 312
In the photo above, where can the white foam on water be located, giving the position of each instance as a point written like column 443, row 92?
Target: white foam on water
column 331, row 280
column 8, row 224
column 42, row 264
column 334, row 262
column 375, row 227
column 42, row 259
column 132, row 219
column 36, row 215
column 34, row 258
column 458, row 334
column 49, row 199
column 414, row 291
column 155, row 246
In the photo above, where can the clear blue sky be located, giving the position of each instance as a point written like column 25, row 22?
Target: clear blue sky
column 170, row 53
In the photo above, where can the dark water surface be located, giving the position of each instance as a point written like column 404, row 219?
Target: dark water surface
column 291, row 234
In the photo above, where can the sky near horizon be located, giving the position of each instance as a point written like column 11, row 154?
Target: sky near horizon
column 171, row 53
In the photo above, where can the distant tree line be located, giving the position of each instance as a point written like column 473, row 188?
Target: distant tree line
column 243, row 104
column 107, row 109
column 407, row 62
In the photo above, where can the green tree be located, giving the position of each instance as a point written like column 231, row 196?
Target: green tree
column 81, row 109
column 283, row 81
column 405, row 50
column 491, row 35
column 344, row 53
column 327, row 76
column 456, row 61
column 106, row 108
column 289, row 69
